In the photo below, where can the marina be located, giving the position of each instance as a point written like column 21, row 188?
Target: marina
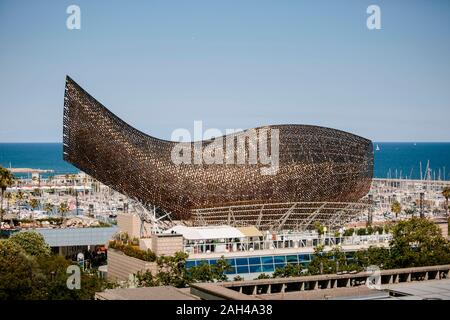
column 87, row 197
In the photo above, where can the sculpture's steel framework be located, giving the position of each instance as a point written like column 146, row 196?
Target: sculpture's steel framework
column 323, row 172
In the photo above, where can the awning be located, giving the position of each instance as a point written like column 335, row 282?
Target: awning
column 206, row 233
column 250, row 231
column 188, row 233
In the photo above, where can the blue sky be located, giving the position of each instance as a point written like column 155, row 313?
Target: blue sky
column 160, row 65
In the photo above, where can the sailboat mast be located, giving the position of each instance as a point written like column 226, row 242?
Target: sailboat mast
column 420, row 163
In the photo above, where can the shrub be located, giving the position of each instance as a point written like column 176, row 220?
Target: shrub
column 263, row 276
column 361, row 231
column 132, row 251
column 349, row 232
column 378, row 229
column 290, row 270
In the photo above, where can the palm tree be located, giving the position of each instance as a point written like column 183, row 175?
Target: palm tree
column 48, row 207
column 446, row 194
column 410, row 211
column 396, row 207
column 34, row 203
column 37, row 192
column 20, row 196
column 8, row 196
column 6, row 180
column 63, row 208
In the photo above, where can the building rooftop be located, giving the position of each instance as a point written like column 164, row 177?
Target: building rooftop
column 207, row 232
column 150, row 293
column 61, row 237
column 426, row 290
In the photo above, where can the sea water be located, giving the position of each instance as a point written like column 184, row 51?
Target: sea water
column 391, row 159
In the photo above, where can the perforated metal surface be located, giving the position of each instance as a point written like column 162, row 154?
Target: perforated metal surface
column 316, row 164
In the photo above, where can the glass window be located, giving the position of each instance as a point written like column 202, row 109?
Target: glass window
column 280, row 265
column 279, row 259
column 241, row 261
column 266, row 260
column 267, row 268
column 213, row 261
column 190, row 263
column 256, row 268
column 303, row 257
column 201, row 262
column 242, row 269
column 231, row 262
column 232, row 270
column 254, row 260
column 291, row 259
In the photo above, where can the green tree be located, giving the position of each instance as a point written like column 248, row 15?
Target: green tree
column 320, row 228
column 396, row 208
column 320, row 262
column 37, row 192
column 220, row 268
column 20, row 196
column 410, row 211
column 362, row 232
column 8, row 196
column 201, row 273
column 63, row 209
column 290, row 270
column 446, row 194
column 172, row 270
column 418, row 242
column 34, row 204
column 339, row 260
column 263, row 276
column 48, row 207
column 329, row 262
column 18, row 279
column 27, row 273
column 145, row 279
column 6, row 180
column 349, row 232
column 378, row 256
column 54, row 270
column 32, row 243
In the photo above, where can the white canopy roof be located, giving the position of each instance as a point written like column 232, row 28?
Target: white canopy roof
column 205, row 233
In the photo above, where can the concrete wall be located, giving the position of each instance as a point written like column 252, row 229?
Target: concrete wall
column 130, row 224
column 167, row 244
column 145, row 244
column 121, row 266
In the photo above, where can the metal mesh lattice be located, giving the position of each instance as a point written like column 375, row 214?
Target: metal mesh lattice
column 316, row 164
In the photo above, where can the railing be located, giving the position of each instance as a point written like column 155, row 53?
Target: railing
column 253, row 289
column 207, row 247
